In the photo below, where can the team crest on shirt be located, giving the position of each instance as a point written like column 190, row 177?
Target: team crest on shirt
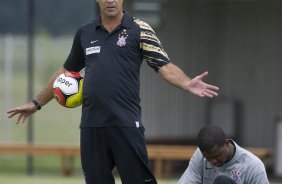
column 236, row 176
column 122, row 38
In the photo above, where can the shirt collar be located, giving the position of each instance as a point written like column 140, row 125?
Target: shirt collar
column 125, row 22
column 233, row 159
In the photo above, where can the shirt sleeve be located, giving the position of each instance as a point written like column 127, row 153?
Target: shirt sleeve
column 152, row 49
column 257, row 174
column 75, row 60
column 194, row 172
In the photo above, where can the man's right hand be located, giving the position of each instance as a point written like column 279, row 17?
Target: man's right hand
column 24, row 111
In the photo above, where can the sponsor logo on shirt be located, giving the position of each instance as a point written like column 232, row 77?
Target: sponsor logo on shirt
column 93, row 50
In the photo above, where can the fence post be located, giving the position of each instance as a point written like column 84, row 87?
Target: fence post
column 8, row 74
column 278, row 153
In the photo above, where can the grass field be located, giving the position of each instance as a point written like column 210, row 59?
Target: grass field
column 47, row 171
column 24, row 179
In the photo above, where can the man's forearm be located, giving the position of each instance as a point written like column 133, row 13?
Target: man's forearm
column 45, row 95
column 175, row 76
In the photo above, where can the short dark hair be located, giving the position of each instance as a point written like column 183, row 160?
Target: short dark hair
column 209, row 136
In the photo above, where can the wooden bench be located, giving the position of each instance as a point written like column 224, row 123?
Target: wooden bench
column 161, row 155
column 67, row 153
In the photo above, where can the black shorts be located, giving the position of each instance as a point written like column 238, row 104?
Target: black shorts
column 124, row 147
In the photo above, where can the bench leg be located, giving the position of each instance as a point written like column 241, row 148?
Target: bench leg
column 167, row 168
column 158, row 168
column 67, row 168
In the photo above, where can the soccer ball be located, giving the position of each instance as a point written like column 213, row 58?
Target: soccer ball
column 67, row 89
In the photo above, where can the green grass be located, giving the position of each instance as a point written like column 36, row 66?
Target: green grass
column 37, row 179
column 47, row 171
column 24, row 179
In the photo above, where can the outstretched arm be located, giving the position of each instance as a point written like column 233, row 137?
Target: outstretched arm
column 175, row 76
column 42, row 98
